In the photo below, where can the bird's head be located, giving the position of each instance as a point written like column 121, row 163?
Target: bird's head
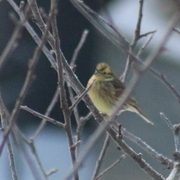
column 103, row 72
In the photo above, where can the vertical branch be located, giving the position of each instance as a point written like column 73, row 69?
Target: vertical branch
column 62, row 92
column 133, row 44
column 101, row 156
column 4, row 121
column 176, row 131
column 72, row 65
column 138, row 25
column 79, row 46
column 11, row 160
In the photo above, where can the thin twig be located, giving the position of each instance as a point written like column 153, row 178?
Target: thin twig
column 18, row 141
column 152, row 152
column 110, row 167
column 170, row 87
column 148, row 33
column 15, row 36
column 137, row 35
column 146, row 43
column 11, row 160
column 33, row 149
column 72, row 64
column 29, row 78
column 79, row 47
column 176, row 30
column 52, row 171
column 47, row 113
column 72, row 98
column 39, row 20
column 133, row 44
column 62, row 92
column 33, row 34
column 97, row 20
column 35, row 113
column 4, row 115
column 81, row 96
column 80, row 126
column 94, row 139
column 175, row 135
column 45, row 34
column 101, row 156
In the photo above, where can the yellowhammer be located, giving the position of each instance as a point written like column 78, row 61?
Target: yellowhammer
column 106, row 91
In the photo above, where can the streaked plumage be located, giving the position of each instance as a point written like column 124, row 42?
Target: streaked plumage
column 106, row 91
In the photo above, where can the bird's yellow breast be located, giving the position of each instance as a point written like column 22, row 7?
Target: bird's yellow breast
column 101, row 102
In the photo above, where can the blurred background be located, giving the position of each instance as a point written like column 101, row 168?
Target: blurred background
column 152, row 96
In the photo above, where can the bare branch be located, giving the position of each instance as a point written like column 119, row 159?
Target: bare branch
column 175, row 173
column 52, row 171
column 4, row 121
column 15, row 36
column 11, row 160
column 152, row 152
column 35, row 113
column 81, row 96
column 47, row 113
column 79, row 46
column 146, row 43
column 175, row 131
column 33, row 33
column 176, row 30
column 110, row 167
column 26, row 85
column 33, row 149
column 94, row 139
column 97, row 20
column 63, row 99
column 80, row 125
column 137, row 35
column 101, row 157
column 18, row 140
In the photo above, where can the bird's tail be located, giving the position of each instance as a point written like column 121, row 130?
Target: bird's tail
column 143, row 117
column 132, row 106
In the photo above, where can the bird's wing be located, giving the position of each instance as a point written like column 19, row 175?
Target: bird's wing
column 119, row 87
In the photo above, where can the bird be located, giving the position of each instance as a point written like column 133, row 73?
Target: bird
column 106, row 91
